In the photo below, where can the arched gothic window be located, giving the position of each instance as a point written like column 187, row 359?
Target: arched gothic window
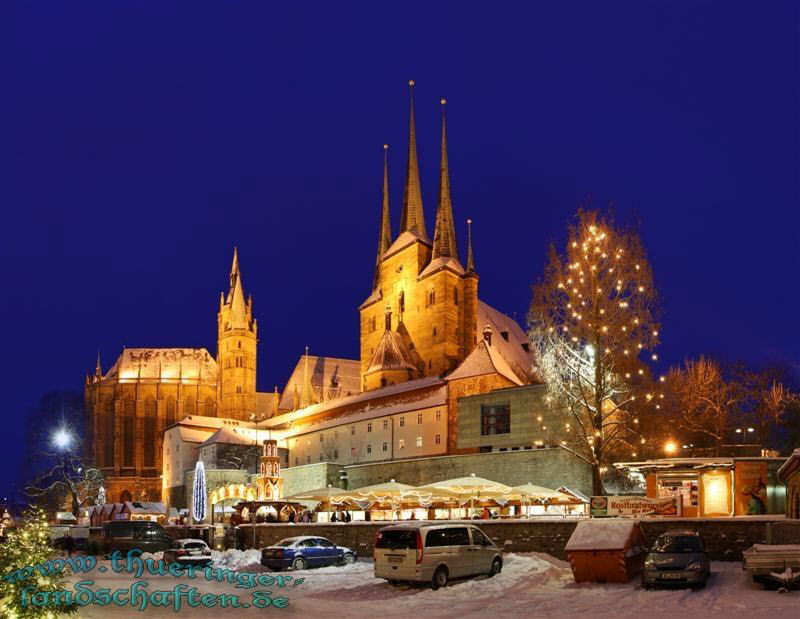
column 128, row 428
column 150, row 420
column 110, row 433
column 210, row 408
column 171, row 410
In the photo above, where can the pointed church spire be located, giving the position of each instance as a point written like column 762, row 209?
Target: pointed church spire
column 385, row 234
column 470, row 256
column 444, row 236
column 98, row 370
column 307, row 390
column 238, row 316
column 413, row 217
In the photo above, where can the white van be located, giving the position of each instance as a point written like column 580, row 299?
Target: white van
column 434, row 553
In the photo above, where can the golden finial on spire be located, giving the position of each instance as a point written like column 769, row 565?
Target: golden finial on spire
column 470, row 257
column 444, row 101
column 411, row 83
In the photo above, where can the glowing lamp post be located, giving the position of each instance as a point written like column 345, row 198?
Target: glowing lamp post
column 670, row 448
column 62, row 439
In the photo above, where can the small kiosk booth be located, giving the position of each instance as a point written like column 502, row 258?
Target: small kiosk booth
column 714, row 487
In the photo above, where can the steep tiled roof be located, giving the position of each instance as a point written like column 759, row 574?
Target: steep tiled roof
column 391, row 354
column 330, row 377
column 484, row 359
column 164, row 364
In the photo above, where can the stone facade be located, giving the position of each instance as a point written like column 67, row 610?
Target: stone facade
column 532, row 420
column 548, row 467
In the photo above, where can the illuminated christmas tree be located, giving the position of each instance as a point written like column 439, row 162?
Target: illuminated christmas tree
column 594, row 317
column 28, row 545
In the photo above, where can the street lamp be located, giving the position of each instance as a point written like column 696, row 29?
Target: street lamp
column 62, row 439
column 670, row 448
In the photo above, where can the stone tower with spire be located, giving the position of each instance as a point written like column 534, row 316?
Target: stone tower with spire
column 237, row 337
column 420, row 319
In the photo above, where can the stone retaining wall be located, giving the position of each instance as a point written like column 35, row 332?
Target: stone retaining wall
column 725, row 538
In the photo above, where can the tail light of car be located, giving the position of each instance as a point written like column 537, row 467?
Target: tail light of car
column 279, row 553
column 419, row 546
column 181, row 553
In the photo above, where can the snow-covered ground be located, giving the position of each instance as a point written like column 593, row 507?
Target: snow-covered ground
column 530, row 584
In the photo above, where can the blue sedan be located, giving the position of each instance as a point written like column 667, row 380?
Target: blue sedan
column 302, row 552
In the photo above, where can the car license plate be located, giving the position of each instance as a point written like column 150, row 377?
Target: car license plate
column 394, row 559
column 671, row 575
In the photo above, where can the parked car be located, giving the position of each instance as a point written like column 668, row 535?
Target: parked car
column 677, row 558
column 307, row 551
column 434, row 553
column 188, row 552
column 75, row 544
column 125, row 535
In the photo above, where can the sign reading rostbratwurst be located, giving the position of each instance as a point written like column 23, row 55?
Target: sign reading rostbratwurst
column 633, row 506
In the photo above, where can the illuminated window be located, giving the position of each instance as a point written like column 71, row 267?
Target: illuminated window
column 401, row 444
column 308, row 442
column 419, row 441
column 495, row 419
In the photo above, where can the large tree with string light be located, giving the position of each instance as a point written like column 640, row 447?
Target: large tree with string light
column 593, row 322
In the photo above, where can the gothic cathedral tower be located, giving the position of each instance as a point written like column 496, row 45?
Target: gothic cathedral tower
column 236, row 350
column 421, row 318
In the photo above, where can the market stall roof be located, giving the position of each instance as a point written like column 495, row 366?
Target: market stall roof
column 690, row 463
column 471, row 485
column 540, row 493
column 385, row 491
column 320, row 495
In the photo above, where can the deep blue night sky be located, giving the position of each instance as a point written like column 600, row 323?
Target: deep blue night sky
column 140, row 141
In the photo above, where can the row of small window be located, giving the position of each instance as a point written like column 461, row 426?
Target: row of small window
column 238, row 362
column 437, row 416
column 401, row 444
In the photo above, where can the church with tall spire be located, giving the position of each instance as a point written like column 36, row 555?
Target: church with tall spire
column 423, row 316
column 426, row 341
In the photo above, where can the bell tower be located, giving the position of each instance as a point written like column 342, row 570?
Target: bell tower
column 236, row 350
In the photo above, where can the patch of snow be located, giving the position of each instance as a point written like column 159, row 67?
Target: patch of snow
column 598, row 534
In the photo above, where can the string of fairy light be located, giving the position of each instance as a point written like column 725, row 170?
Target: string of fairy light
column 600, row 315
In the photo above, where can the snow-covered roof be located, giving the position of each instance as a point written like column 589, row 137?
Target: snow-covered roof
column 406, row 238
column 404, row 392
column 444, row 262
column 330, row 378
column 791, row 463
column 484, row 359
column 597, row 534
column 433, row 398
column 509, row 339
column 232, row 436
column 137, row 507
column 164, row 364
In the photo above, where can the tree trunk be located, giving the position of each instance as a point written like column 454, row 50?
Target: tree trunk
column 597, row 481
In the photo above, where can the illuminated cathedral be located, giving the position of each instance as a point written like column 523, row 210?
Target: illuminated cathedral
column 426, row 340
